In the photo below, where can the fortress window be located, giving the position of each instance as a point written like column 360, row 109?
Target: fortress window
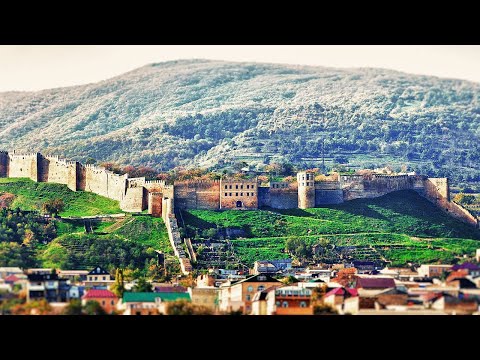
column 226, row 187
column 226, row 194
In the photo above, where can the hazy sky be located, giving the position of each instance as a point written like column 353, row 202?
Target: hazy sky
column 29, row 67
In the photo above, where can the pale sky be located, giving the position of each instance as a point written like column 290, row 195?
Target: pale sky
column 28, row 67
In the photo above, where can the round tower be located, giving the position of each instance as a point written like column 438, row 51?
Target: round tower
column 306, row 190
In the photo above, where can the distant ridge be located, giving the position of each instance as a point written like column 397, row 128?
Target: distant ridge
column 202, row 112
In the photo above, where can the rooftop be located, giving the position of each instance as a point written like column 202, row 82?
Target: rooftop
column 151, row 297
column 375, row 283
column 97, row 293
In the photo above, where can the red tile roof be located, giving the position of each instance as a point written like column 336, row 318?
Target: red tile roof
column 339, row 291
column 375, row 283
column 97, row 293
column 11, row 278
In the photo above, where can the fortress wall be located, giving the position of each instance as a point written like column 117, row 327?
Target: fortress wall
column 327, row 185
column 80, row 176
column 283, row 197
column 195, row 194
column 23, row 165
column 185, row 196
column 437, row 190
column 134, row 200
column 208, row 197
column 72, row 175
column 376, row 186
column 155, row 204
column 327, row 197
column 154, row 185
column 4, row 161
column 104, row 182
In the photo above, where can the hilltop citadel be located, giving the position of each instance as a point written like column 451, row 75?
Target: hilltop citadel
column 139, row 194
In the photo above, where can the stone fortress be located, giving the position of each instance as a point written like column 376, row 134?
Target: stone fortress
column 138, row 194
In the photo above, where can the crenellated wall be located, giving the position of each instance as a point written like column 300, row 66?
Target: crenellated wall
column 437, row 190
column 278, row 196
column 137, row 194
column 23, row 165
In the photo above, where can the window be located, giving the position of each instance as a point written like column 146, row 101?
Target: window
column 103, row 302
column 261, row 288
column 247, row 297
column 111, row 302
column 241, row 194
column 285, row 304
column 225, row 194
column 308, row 184
column 226, row 187
column 230, row 186
column 250, row 289
column 96, row 278
column 247, row 194
column 303, row 304
column 253, row 186
column 277, row 303
column 104, row 278
column 236, row 186
column 248, row 186
column 241, row 186
column 236, row 194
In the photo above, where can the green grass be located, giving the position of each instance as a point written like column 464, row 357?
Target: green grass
column 419, row 231
column 146, row 230
column 31, row 195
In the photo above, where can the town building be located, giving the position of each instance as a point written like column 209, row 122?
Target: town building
column 107, row 299
column 238, row 296
column 45, row 284
column 98, row 278
column 433, row 270
column 149, row 303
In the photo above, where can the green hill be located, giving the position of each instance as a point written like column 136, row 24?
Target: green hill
column 30, row 195
column 400, row 227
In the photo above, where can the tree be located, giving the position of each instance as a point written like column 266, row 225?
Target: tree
column 53, row 207
column 298, row 247
column 290, row 279
column 142, row 286
column 74, row 307
column 92, row 307
column 184, row 307
column 118, row 287
column 346, row 277
column 464, row 199
column 90, row 161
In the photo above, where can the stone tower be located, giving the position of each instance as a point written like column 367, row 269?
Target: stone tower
column 306, row 190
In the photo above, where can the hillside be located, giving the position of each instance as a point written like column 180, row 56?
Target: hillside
column 400, row 227
column 30, row 195
column 200, row 113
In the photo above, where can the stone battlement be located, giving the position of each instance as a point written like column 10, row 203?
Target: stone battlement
column 138, row 194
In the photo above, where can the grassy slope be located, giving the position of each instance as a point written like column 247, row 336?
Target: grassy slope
column 30, row 195
column 403, row 218
column 69, row 249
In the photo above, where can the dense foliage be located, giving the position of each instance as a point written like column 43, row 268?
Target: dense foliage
column 200, row 112
column 20, row 234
